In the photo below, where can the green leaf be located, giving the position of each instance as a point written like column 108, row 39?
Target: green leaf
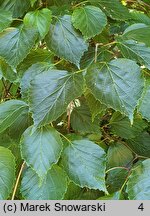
column 89, row 20
column 117, row 84
column 95, row 106
column 103, row 54
column 140, row 17
column 121, row 126
column 113, row 8
column 118, row 155
column 41, row 149
column 65, row 42
column 30, row 74
column 138, row 52
column 39, row 19
column 20, row 7
column 84, row 162
column 35, row 56
column 7, row 172
column 53, row 186
column 5, row 19
column 7, row 72
column 10, row 111
column 144, row 102
column 7, row 4
column 138, row 186
column 51, row 92
column 140, row 144
column 116, row 178
column 113, row 196
column 81, row 120
column 33, row 2
column 16, row 44
column 74, row 192
column 139, row 32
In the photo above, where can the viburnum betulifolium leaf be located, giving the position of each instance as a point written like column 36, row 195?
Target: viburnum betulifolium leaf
column 89, row 20
column 51, row 92
column 113, row 8
column 39, row 19
column 41, row 148
column 138, row 32
column 74, row 99
column 65, row 41
column 11, row 111
column 30, row 74
column 7, row 172
column 5, row 19
column 138, row 186
column 121, row 126
column 85, row 164
column 117, row 84
column 138, row 52
column 15, row 44
column 53, row 186
column 144, row 103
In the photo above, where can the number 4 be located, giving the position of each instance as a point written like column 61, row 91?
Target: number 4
column 141, row 207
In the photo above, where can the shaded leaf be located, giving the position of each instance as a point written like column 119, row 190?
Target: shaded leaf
column 121, row 126
column 35, row 56
column 5, row 19
column 10, row 111
column 53, row 186
column 118, row 155
column 113, row 8
column 113, row 196
column 7, row 72
column 141, row 144
column 81, row 120
column 7, row 172
column 20, row 7
column 96, row 107
column 115, row 179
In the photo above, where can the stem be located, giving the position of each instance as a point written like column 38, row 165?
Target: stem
column 111, row 43
column 17, row 181
column 69, row 116
column 79, row 4
column 4, row 84
column 80, row 71
column 96, row 48
column 101, row 44
column 146, row 72
column 65, row 138
column 143, row 157
column 16, row 19
column 125, row 182
column 58, row 62
column 116, row 168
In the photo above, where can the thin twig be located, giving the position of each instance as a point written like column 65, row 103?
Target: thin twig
column 81, row 3
column 17, row 181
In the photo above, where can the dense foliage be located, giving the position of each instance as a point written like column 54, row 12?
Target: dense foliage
column 75, row 99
